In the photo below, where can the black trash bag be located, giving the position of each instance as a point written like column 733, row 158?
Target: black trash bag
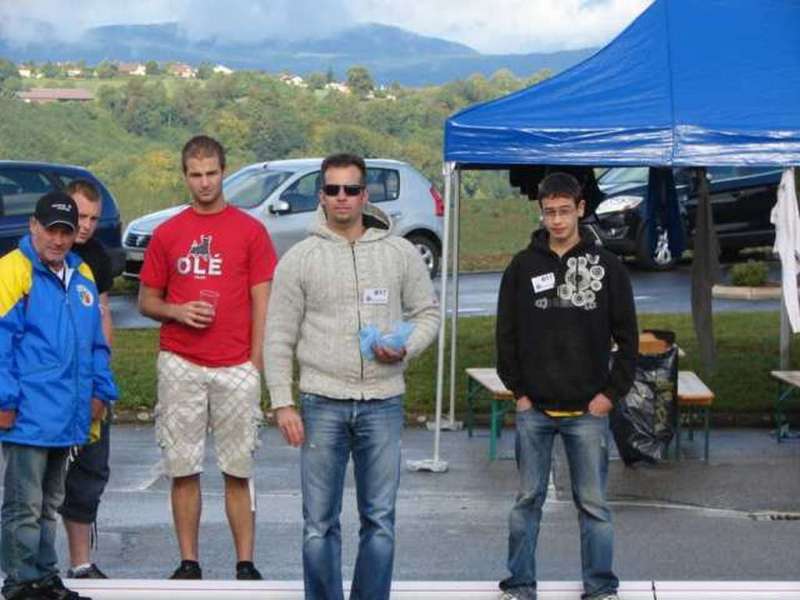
column 643, row 421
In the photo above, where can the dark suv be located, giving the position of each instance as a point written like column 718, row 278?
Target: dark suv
column 741, row 201
column 23, row 183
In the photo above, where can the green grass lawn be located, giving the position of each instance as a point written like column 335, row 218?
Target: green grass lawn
column 491, row 232
column 747, row 346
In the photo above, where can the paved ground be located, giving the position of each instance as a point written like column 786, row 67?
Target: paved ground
column 677, row 521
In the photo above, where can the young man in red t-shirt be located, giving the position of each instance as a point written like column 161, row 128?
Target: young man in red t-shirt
column 206, row 277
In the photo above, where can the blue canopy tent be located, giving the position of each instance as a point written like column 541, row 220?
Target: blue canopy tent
column 686, row 84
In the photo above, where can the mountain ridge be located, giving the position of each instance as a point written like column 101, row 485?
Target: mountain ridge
column 390, row 53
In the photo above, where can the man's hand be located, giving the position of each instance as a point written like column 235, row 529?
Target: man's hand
column 291, row 425
column 387, row 355
column 195, row 313
column 257, row 358
column 600, row 405
column 98, row 409
column 524, row 403
column 7, row 418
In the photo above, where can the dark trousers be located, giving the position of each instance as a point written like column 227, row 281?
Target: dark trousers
column 87, row 477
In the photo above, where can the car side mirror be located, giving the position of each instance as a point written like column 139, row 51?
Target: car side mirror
column 280, row 207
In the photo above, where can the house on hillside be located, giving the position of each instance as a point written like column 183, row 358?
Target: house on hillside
column 74, row 72
column 222, row 69
column 294, row 80
column 137, row 69
column 47, row 95
column 182, row 70
column 338, row 87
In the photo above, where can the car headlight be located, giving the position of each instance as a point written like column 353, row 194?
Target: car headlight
column 618, row 204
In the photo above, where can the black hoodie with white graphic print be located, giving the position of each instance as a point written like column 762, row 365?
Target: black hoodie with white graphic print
column 556, row 319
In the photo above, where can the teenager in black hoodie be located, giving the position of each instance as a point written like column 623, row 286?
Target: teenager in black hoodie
column 562, row 302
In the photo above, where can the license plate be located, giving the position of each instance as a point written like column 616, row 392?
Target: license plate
column 134, row 255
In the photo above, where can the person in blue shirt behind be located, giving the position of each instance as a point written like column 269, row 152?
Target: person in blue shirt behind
column 54, row 360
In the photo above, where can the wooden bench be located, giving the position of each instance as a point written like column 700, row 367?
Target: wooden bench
column 485, row 380
column 695, row 396
column 788, row 384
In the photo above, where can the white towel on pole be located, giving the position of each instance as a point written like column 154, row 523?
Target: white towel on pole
column 786, row 219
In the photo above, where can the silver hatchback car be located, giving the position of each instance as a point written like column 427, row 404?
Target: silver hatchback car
column 282, row 194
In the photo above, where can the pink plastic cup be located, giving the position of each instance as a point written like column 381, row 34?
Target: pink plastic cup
column 211, row 297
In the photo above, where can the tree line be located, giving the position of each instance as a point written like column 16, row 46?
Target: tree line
column 131, row 135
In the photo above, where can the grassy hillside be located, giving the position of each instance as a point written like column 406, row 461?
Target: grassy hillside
column 131, row 136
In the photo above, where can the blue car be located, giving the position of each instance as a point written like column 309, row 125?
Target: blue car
column 23, row 183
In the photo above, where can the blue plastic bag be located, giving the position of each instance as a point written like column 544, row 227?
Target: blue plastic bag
column 395, row 339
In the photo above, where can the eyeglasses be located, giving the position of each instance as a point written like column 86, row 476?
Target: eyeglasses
column 552, row 213
column 350, row 189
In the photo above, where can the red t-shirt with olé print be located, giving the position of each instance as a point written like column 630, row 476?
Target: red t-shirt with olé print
column 227, row 252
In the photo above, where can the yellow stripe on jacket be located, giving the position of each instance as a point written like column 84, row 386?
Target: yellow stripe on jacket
column 85, row 270
column 15, row 280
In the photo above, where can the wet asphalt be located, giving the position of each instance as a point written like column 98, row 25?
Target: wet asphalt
column 735, row 518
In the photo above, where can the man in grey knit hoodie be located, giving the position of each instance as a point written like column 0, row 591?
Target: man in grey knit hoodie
column 349, row 273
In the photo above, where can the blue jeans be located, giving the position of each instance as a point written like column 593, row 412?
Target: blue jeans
column 370, row 432
column 33, row 491
column 586, row 443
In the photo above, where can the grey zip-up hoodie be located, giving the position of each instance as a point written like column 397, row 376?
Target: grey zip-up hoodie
column 325, row 290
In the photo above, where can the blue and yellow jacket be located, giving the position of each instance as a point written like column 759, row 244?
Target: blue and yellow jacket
column 53, row 356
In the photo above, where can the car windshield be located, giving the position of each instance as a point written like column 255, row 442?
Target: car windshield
column 251, row 186
column 623, row 175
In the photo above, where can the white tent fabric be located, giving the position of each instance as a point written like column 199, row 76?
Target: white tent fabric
column 786, row 218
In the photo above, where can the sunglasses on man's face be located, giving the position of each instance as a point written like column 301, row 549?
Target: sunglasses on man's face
column 353, row 189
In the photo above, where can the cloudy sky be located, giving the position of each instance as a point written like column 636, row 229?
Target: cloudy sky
column 490, row 26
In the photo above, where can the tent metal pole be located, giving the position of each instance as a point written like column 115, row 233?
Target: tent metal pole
column 786, row 327
column 436, row 465
column 451, row 424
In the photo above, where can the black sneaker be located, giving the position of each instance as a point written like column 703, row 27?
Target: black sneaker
column 247, row 570
column 90, row 572
column 25, row 592
column 188, row 569
column 54, row 589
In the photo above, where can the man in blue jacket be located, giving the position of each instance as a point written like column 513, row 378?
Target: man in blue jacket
column 53, row 361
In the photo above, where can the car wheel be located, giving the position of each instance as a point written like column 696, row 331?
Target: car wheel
column 659, row 257
column 429, row 251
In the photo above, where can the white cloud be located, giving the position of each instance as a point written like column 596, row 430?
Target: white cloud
column 501, row 26
column 250, row 20
column 494, row 27
column 68, row 20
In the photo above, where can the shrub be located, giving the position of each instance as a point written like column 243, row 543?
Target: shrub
column 753, row 273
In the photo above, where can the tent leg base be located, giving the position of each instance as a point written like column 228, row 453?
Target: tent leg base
column 428, row 464
column 445, row 425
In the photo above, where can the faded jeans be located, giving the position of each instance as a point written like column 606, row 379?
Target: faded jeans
column 33, row 491
column 586, row 444
column 370, row 432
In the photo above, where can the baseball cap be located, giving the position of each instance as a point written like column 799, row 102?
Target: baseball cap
column 57, row 208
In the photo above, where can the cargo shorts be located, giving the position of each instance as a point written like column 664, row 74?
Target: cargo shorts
column 193, row 400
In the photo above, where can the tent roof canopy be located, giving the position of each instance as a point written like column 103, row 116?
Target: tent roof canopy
column 686, row 84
